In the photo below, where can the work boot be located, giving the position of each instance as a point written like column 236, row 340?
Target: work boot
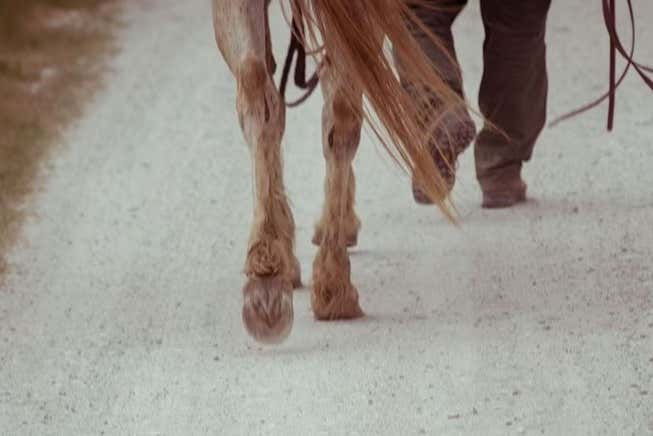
column 453, row 138
column 504, row 195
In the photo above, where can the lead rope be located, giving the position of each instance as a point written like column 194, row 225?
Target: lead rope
column 296, row 46
column 609, row 16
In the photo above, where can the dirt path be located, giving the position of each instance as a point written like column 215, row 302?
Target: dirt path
column 52, row 56
column 122, row 311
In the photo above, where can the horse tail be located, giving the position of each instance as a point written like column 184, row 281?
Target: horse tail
column 352, row 34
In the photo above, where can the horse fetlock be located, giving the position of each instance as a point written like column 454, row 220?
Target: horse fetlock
column 334, row 299
column 273, row 257
column 265, row 257
column 333, row 296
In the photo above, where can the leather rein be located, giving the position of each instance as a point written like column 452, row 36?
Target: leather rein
column 645, row 72
column 297, row 47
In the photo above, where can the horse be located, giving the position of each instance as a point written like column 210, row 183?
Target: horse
column 347, row 37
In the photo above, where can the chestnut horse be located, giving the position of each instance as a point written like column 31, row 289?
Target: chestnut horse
column 354, row 63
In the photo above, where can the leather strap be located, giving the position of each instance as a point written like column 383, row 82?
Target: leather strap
column 645, row 72
column 297, row 47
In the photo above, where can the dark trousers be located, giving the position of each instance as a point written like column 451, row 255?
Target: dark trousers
column 513, row 90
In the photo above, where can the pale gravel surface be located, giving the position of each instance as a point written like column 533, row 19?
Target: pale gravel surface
column 122, row 315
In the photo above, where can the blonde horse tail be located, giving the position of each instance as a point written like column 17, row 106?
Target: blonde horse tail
column 352, row 34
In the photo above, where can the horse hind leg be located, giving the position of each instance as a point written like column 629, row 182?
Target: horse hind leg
column 333, row 295
column 271, row 267
column 351, row 222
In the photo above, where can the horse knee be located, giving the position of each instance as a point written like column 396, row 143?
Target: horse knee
column 260, row 109
column 343, row 122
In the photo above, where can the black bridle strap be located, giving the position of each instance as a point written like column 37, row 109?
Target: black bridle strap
column 297, row 47
column 609, row 16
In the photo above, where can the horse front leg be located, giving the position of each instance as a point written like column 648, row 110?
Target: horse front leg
column 333, row 295
column 271, row 267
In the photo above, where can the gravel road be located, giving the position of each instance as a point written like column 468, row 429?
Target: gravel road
column 121, row 315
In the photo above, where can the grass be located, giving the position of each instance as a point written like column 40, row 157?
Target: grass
column 52, row 57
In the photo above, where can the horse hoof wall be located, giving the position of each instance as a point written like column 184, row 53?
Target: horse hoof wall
column 268, row 309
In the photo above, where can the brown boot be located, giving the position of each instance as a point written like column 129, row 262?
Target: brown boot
column 453, row 139
column 507, row 195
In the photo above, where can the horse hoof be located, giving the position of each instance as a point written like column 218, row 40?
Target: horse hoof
column 339, row 305
column 267, row 309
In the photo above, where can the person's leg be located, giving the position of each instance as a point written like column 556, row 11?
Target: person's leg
column 512, row 97
column 438, row 17
column 457, row 129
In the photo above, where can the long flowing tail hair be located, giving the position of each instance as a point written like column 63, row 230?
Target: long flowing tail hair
column 351, row 33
